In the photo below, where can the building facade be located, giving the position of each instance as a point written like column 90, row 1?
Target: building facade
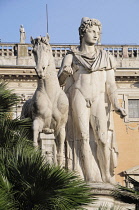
column 17, row 68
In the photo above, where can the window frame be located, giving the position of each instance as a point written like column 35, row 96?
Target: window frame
column 126, row 98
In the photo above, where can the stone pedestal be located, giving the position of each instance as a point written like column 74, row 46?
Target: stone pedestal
column 22, row 54
column 101, row 191
column 48, row 147
column 103, row 194
column 22, row 50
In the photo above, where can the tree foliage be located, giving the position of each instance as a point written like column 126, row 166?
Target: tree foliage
column 27, row 181
column 128, row 195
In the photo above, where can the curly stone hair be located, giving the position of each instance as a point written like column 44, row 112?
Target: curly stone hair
column 86, row 23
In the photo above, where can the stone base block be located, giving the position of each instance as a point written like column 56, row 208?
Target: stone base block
column 103, row 194
column 48, row 147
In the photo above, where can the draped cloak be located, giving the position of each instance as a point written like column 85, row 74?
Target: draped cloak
column 100, row 61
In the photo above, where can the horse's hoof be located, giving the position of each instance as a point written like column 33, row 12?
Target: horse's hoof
column 48, row 131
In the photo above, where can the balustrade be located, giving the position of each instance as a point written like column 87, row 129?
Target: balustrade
column 59, row 51
column 133, row 52
column 30, row 50
column 7, row 50
column 117, row 52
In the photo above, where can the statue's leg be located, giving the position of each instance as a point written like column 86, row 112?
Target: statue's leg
column 100, row 127
column 37, row 127
column 60, row 139
column 81, row 119
column 60, row 114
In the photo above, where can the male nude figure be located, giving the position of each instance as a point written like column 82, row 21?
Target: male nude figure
column 93, row 85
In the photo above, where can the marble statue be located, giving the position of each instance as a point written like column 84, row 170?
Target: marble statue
column 48, row 107
column 88, row 76
column 22, row 34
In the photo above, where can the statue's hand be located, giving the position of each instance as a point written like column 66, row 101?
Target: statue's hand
column 121, row 111
column 68, row 70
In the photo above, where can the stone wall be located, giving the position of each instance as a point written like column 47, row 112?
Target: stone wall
column 17, row 67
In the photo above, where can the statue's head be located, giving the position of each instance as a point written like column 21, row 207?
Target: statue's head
column 42, row 53
column 87, row 24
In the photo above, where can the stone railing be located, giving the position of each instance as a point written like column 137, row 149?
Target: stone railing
column 7, row 49
column 61, row 50
column 123, row 51
column 119, row 51
column 21, row 54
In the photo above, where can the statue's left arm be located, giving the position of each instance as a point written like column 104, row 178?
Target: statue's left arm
column 112, row 92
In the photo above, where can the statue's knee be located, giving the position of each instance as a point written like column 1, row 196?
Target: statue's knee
column 84, row 137
column 37, row 125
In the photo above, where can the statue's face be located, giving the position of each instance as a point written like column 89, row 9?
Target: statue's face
column 92, row 35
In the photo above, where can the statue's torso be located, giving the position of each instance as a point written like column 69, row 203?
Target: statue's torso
column 91, row 85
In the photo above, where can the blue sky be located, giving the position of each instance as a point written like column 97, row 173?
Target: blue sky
column 120, row 19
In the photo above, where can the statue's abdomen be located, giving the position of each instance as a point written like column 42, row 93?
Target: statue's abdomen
column 91, row 85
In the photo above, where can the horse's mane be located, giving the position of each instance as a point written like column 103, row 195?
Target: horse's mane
column 39, row 39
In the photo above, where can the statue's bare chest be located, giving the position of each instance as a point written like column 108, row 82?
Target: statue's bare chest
column 91, row 85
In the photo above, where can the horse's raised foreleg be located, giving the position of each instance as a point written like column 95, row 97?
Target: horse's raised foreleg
column 60, row 139
column 37, row 127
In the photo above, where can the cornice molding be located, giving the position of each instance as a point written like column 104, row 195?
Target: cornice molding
column 24, row 72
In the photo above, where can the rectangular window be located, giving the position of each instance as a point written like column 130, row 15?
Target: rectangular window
column 133, row 108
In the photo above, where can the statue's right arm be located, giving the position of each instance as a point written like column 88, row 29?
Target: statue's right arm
column 65, row 69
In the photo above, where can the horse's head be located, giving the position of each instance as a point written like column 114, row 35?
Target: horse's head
column 41, row 51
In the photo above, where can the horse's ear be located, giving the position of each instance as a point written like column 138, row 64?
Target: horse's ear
column 32, row 40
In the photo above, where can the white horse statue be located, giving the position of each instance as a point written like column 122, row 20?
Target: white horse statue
column 49, row 105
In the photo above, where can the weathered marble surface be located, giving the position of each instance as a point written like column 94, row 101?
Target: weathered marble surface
column 48, row 107
column 48, row 147
column 22, row 34
column 88, row 76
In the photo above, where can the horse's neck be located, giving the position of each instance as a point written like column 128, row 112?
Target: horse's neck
column 51, row 67
column 41, row 86
column 49, row 85
column 51, row 73
column 51, row 82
